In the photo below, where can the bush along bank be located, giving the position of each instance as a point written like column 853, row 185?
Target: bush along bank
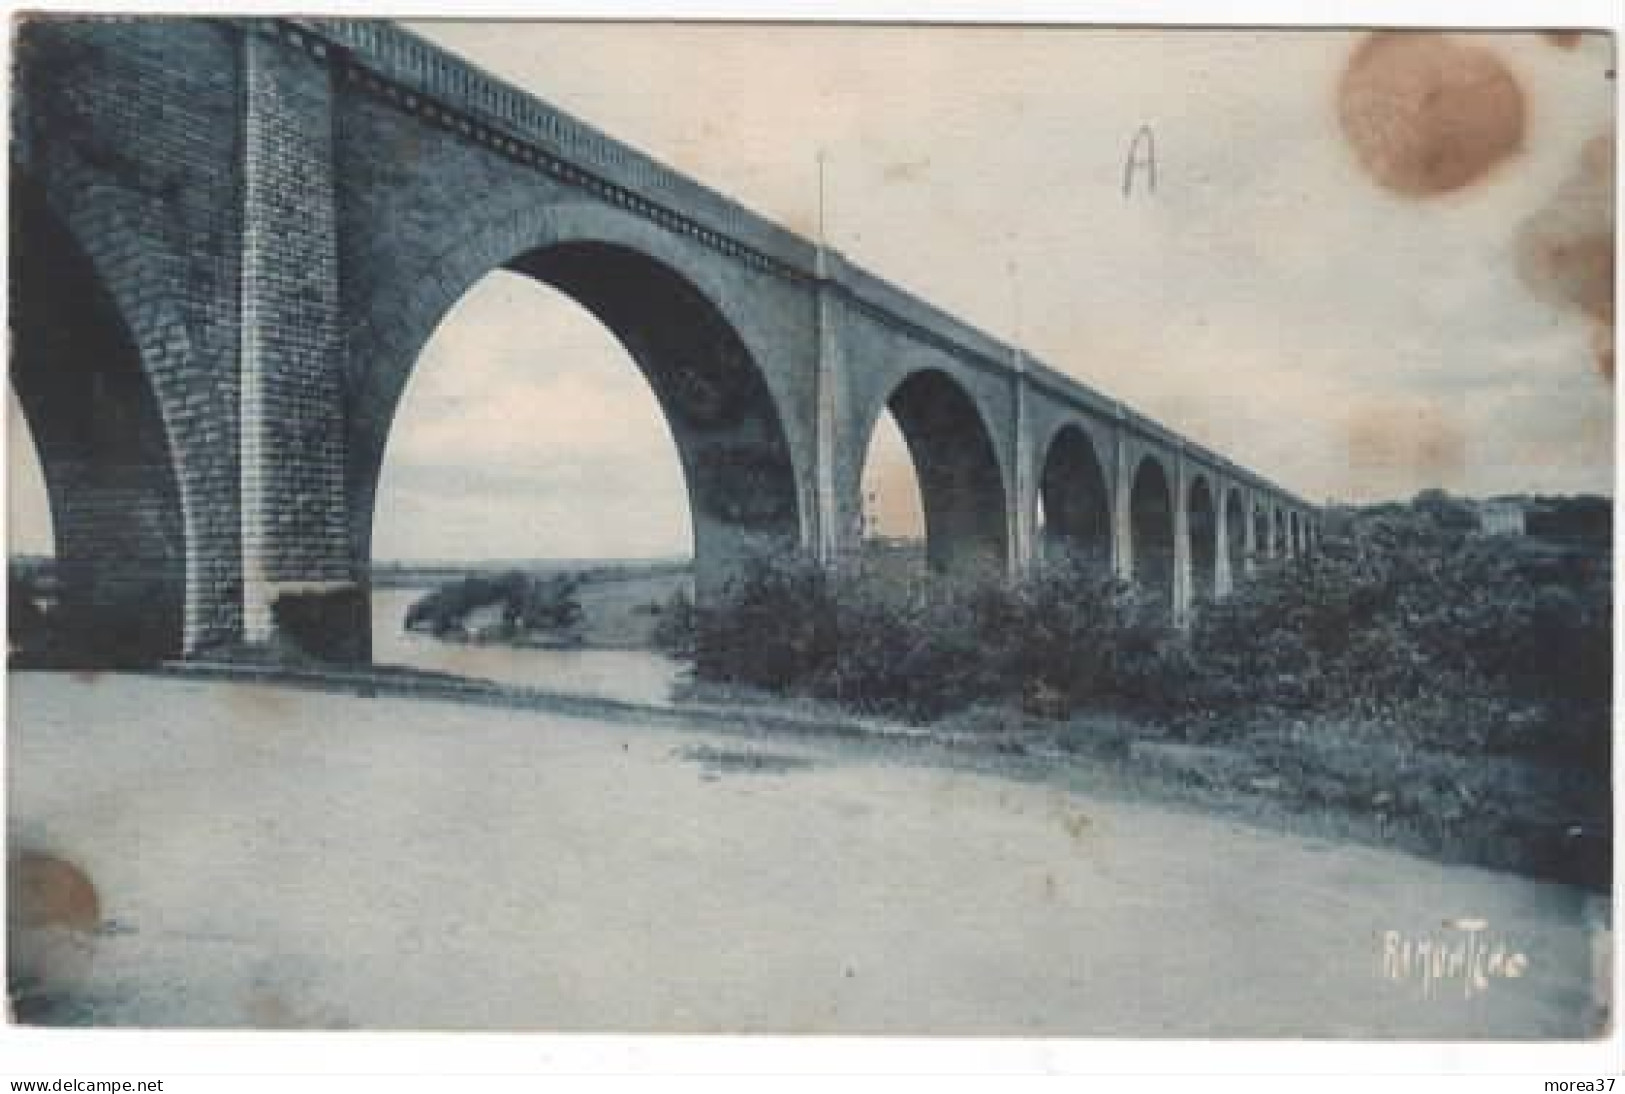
column 1450, row 687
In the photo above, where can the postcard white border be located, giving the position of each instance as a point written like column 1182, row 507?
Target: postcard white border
column 429, row 1061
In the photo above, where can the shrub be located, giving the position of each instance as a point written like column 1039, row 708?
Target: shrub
column 545, row 604
column 676, row 625
column 528, row 604
column 1403, row 616
column 873, row 637
column 770, row 628
column 329, row 625
column 1403, row 609
column 28, row 625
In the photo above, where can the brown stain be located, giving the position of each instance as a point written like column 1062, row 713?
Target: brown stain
column 1602, row 346
column 1426, row 114
column 1562, row 39
column 1565, row 250
column 267, row 1009
column 1402, row 443
column 1075, row 823
column 802, row 224
column 260, row 700
column 906, row 170
column 45, row 891
column 53, row 914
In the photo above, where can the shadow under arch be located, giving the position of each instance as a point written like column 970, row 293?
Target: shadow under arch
column 1235, row 532
column 737, row 466
column 1202, row 521
column 1151, row 525
column 960, row 478
column 1076, row 499
column 104, row 450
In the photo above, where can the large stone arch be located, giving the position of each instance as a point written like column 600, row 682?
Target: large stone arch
column 1202, row 524
column 1151, row 526
column 745, row 488
column 1076, row 497
column 958, row 470
column 85, row 328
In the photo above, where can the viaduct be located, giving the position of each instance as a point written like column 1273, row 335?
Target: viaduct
column 231, row 238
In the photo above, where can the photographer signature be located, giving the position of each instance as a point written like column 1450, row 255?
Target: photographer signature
column 1467, row 954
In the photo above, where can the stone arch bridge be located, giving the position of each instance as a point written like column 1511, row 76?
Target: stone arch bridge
column 231, row 238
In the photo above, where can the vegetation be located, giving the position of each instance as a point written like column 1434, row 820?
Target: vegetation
column 327, row 625
column 1450, row 688
column 28, row 623
column 1497, row 643
column 43, row 633
column 882, row 640
column 675, row 623
column 530, row 607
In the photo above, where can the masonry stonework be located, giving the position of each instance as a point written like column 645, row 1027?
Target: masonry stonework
column 277, row 213
column 128, row 131
column 293, row 509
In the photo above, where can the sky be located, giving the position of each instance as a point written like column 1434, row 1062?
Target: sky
column 1364, row 266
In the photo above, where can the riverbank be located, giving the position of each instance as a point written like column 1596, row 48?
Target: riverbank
column 620, row 607
column 1342, row 780
column 274, row 857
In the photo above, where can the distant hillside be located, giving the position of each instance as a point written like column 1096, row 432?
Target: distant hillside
column 1577, row 517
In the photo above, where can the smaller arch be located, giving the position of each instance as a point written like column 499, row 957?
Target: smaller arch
column 1151, row 526
column 1261, row 532
column 1235, row 534
column 957, row 467
column 1076, row 500
column 1201, row 520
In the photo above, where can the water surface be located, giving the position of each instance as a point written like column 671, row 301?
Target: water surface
column 631, row 675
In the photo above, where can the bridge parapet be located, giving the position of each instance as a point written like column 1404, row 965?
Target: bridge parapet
column 517, row 123
column 1058, row 385
column 897, row 307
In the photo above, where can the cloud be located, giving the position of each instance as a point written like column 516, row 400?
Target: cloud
column 527, row 431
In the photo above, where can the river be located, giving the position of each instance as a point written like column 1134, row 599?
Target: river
column 630, row 675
